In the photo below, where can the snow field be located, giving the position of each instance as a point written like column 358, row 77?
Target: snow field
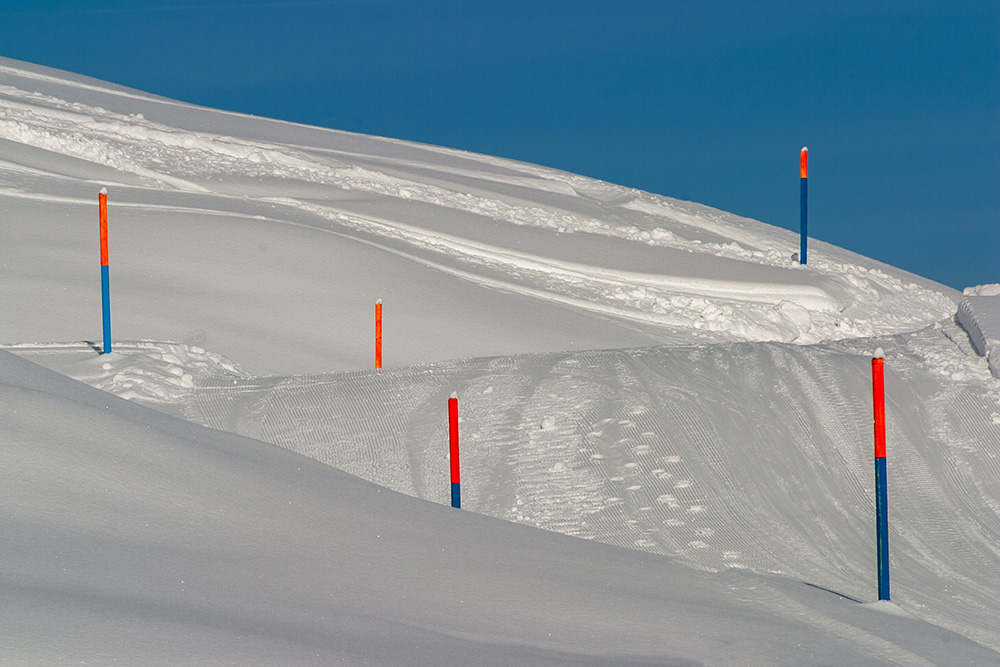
column 704, row 454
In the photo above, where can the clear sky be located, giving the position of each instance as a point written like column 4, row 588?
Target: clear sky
column 898, row 102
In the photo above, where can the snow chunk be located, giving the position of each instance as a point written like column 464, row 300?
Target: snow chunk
column 992, row 289
column 797, row 316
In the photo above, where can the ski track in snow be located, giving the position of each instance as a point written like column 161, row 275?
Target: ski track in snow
column 737, row 307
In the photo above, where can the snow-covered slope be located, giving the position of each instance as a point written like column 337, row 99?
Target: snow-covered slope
column 131, row 537
column 652, row 374
column 270, row 241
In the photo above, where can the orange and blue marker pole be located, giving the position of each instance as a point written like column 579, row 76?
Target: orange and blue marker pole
column 881, row 493
column 378, row 334
column 102, row 200
column 456, row 491
column 803, row 202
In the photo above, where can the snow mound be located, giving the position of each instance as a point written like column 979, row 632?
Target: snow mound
column 991, row 289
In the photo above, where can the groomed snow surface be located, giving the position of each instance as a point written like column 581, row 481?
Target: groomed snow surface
column 665, row 420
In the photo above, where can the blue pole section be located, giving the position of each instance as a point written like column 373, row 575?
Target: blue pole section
column 803, row 203
column 882, row 529
column 106, row 307
column 456, row 495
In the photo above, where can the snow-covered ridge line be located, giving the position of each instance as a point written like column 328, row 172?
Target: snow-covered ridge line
column 102, row 87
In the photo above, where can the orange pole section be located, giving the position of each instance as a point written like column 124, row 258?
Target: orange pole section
column 102, row 204
column 378, row 334
column 878, row 399
column 456, row 490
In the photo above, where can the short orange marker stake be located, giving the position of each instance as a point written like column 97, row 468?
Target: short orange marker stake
column 378, row 334
column 456, row 486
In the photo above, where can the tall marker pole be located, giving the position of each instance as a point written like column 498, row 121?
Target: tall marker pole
column 803, row 202
column 456, row 493
column 378, row 334
column 881, row 493
column 102, row 200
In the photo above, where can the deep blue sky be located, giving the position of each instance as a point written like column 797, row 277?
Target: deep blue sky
column 899, row 102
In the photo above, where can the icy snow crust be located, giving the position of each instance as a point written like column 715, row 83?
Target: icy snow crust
column 650, row 374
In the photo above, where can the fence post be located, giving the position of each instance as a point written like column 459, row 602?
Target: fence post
column 456, row 493
column 881, row 492
column 102, row 200
column 803, row 203
column 378, row 334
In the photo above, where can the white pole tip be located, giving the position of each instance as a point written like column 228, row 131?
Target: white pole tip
column 804, row 150
column 379, row 302
column 104, row 191
column 454, row 394
column 880, row 353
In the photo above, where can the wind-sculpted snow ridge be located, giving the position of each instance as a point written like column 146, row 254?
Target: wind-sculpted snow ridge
column 740, row 456
column 602, row 249
column 979, row 315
